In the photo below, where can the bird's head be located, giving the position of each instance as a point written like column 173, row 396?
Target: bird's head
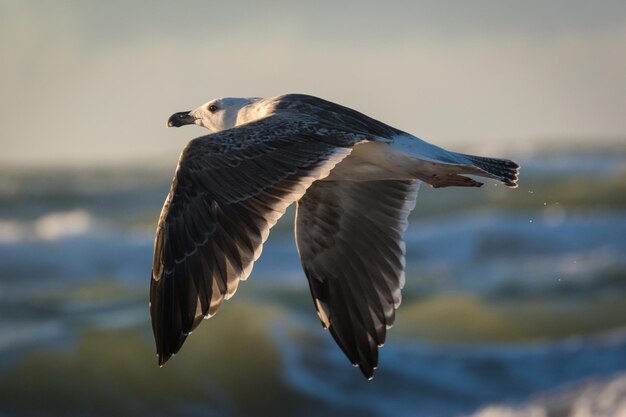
column 216, row 115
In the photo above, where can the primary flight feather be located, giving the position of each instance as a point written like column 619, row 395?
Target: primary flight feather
column 355, row 181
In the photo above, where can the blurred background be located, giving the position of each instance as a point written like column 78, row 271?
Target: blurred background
column 515, row 303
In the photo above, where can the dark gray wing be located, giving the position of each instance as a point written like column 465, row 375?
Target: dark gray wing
column 350, row 239
column 229, row 189
column 336, row 115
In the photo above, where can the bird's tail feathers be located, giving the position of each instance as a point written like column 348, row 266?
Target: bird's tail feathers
column 504, row 170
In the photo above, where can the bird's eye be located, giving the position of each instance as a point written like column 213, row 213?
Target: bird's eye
column 213, row 108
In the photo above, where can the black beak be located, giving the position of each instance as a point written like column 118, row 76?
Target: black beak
column 181, row 119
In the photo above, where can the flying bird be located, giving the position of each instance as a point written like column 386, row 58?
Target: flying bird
column 354, row 180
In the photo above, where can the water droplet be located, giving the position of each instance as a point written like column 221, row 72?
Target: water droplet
column 554, row 215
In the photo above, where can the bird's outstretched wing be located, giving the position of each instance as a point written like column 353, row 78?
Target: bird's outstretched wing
column 350, row 238
column 229, row 189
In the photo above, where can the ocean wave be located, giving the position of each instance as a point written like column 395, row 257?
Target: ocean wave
column 596, row 397
column 490, row 251
column 415, row 378
column 447, row 379
column 70, row 245
column 484, row 252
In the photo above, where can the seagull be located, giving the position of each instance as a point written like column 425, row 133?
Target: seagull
column 354, row 180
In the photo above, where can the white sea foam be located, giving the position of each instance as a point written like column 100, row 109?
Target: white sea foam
column 591, row 398
column 489, row 249
column 68, row 223
column 70, row 245
column 50, row 226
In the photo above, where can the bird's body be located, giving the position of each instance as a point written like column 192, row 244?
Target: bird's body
column 355, row 180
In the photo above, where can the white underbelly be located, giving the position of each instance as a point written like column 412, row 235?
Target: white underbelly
column 368, row 161
column 405, row 158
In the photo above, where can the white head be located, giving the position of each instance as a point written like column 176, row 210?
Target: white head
column 216, row 115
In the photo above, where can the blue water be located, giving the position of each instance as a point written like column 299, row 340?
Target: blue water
column 76, row 247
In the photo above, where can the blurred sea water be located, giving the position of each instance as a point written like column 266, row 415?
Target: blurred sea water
column 515, row 305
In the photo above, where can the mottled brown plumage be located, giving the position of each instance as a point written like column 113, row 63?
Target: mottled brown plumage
column 355, row 180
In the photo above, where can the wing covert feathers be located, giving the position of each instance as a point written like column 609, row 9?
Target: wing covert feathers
column 229, row 189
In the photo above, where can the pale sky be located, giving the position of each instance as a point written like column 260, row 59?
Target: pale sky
column 95, row 81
